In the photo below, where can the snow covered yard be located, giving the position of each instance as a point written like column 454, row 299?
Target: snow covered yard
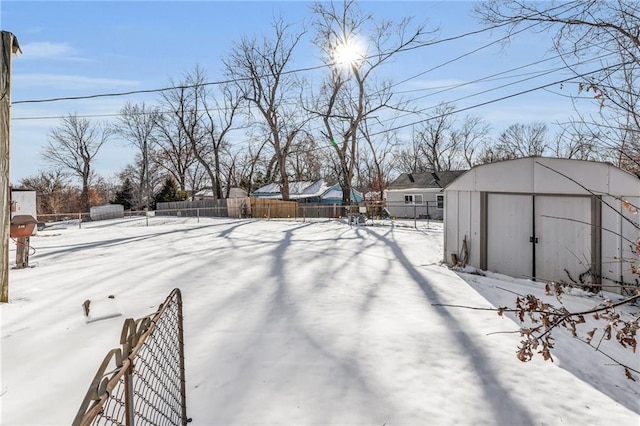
column 291, row 323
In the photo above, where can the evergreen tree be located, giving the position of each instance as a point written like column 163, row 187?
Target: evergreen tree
column 170, row 192
column 125, row 195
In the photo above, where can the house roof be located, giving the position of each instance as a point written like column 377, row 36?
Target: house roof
column 335, row 193
column 297, row 190
column 234, row 192
column 425, row 179
column 306, row 189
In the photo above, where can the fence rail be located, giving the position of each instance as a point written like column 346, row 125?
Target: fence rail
column 269, row 209
column 142, row 381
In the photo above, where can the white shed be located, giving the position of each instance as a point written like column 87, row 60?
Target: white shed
column 25, row 203
column 546, row 219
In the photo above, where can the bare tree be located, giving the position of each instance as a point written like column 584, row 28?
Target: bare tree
column 136, row 125
column 376, row 160
column 49, row 186
column 247, row 168
column 173, row 150
column 305, row 159
column 523, row 140
column 470, row 137
column 434, row 141
column 259, row 69
column 350, row 93
column 206, row 121
column 599, row 42
column 133, row 172
column 73, row 146
column 407, row 159
column 577, row 142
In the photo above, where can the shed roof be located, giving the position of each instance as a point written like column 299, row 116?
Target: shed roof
column 425, row 179
column 540, row 175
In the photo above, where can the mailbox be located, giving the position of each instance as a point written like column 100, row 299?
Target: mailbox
column 22, row 226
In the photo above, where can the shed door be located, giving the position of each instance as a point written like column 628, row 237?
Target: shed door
column 509, row 228
column 562, row 234
column 563, row 249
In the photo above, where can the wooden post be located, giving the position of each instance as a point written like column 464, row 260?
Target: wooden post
column 9, row 46
column 22, row 252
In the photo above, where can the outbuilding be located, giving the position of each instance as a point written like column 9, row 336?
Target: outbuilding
column 547, row 219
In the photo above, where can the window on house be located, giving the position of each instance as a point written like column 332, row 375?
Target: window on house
column 413, row 199
column 440, row 201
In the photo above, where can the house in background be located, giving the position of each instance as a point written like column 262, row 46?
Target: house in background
column 308, row 192
column 302, row 191
column 550, row 219
column 333, row 195
column 419, row 195
column 207, row 193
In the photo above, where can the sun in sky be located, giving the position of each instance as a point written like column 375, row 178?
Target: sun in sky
column 349, row 53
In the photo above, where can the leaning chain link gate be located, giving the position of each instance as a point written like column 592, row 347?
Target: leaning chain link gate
column 142, row 382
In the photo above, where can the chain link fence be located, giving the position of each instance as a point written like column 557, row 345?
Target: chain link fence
column 142, row 382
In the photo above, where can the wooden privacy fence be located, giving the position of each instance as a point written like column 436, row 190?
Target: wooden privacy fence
column 141, row 382
column 267, row 208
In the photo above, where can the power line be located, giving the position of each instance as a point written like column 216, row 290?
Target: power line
column 502, row 98
column 221, row 82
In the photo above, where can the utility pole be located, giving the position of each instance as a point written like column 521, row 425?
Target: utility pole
column 10, row 46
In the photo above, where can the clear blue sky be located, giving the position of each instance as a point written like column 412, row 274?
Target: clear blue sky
column 92, row 47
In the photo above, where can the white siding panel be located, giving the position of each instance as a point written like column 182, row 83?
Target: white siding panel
column 611, row 241
column 559, row 176
column 475, row 224
column 25, row 203
column 629, row 230
column 509, row 225
column 563, row 228
column 451, row 225
column 506, row 176
column 619, row 232
column 623, row 183
column 464, row 212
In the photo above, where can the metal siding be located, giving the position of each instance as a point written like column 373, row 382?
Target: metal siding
column 507, row 176
column 474, row 228
column 563, row 228
column 451, row 224
column 558, row 176
column 464, row 231
column 509, row 224
column 618, row 236
column 611, row 268
column 629, row 222
column 550, row 176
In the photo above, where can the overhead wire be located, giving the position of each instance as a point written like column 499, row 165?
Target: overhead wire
column 488, row 78
column 227, row 81
column 512, row 95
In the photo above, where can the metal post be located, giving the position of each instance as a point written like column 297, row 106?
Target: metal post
column 128, row 395
column 9, row 46
column 79, row 220
column 183, row 388
column 198, row 214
